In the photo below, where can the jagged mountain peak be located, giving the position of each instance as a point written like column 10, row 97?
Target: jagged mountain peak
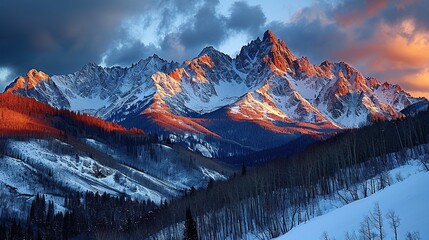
column 327, row 65
column 215, row 55
column 269, row 37
column 29, row 81
column 303, row 68
column 387, row 85
column 156, row 56
column 270, row 54
column 279, row 57
column 152, row 64
column 209, row 50
column 373, row 82
column 153, row 59
column 34, row 73
column 90, row 65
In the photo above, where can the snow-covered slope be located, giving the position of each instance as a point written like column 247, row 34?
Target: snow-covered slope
column 76, row 172
column 408, row 198
column 55, row 168
column 265, row 86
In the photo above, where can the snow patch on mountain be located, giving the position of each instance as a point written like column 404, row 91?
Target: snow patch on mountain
column 78, row 172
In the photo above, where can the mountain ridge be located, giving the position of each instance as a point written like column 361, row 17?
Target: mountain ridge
column 265, row 86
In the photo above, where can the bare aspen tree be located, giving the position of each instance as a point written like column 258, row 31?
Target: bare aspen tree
column 377, row 221
column 365, row 229
column 412, row 236
column 351, row 236
column 324, row 236
column 394, row 222
column 425, row 161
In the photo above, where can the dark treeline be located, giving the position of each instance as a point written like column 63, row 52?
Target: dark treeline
column 86, row 216
column 275, row 197
column 85, row 126
column 264, row 156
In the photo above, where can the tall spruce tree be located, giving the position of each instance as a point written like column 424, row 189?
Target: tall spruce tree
column 243, row 169
column 190, row 232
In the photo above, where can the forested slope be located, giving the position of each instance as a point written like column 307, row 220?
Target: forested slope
column 272, row 199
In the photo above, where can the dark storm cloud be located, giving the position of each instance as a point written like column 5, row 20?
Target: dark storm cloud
column 311, row 38
column 177, row 8
column 129, row 53
column 312, row 33
column 391, row 11
column 408, row 9
column 207, row 26
column 204, row 26
column 247, row 18
column 60, row 36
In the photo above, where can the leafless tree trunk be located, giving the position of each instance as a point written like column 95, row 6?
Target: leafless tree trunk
column 366, row 229
column 394, row 222
column 377, row 220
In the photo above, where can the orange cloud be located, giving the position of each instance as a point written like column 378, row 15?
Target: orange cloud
column 373, row 7
column 403, row 3
column 390, row 46
column 418, row 83
column 397, row 54
column 419, row 94
column 358, row 16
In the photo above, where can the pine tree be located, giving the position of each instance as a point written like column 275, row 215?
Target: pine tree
column 243, row 169
column 210, row 184
column 190, row 232
column 49, row 222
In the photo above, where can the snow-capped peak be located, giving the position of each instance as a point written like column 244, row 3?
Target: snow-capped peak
column 29, row 81
column 210, row 50
column 269, row 37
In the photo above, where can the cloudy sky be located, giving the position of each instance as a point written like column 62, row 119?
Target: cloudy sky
column 388, row 39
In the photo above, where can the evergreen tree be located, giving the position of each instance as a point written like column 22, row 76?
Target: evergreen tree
column 210, row 184
column 243, row 169
column 190, row 232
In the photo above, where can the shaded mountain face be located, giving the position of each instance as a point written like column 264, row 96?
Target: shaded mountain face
column 223, row 106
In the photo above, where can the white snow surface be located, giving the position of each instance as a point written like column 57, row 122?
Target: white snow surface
column 73, row 172
column 408, row 198
column 82, row 104
column 212, row 174
column 203, row 150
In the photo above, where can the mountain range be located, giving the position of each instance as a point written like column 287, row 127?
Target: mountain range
column 221, row 106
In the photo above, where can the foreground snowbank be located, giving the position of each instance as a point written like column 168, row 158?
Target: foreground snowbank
column 409, row 199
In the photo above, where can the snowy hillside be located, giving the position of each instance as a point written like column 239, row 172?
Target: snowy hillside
column 407, row 198
column 55, row 168
column 266, row 88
